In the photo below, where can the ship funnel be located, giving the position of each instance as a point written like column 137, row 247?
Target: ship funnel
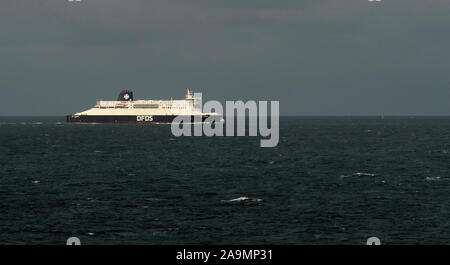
column 125, row 95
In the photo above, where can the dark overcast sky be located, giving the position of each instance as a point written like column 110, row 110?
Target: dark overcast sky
column 317, row 57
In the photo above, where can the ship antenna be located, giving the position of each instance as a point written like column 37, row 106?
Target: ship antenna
column 189, row 94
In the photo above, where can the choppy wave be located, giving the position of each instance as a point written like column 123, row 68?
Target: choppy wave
column 359, row 174
column 432, row 178
column 242, row 199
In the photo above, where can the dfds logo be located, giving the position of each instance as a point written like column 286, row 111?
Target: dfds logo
column 144, row 118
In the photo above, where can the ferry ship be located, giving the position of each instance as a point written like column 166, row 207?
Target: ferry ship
column 127, row 110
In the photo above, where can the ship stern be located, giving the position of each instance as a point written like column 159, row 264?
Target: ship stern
column 72, row 118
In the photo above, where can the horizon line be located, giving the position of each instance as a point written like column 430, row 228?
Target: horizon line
column 295, row 115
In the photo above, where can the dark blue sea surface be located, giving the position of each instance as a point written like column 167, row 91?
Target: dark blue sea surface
column 329, row 181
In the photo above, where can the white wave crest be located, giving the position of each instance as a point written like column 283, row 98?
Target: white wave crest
column 242, row 199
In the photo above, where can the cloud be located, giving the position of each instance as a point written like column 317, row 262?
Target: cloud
column 317, row 57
